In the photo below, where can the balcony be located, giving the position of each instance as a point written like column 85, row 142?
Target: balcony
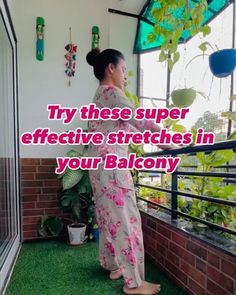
column 192, row 235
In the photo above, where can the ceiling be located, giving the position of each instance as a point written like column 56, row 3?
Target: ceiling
column 131, row 6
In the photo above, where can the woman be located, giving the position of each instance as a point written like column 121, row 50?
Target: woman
column 120, row 234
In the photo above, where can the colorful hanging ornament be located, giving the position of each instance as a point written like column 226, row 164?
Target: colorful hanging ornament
column 70, row 57
column 40, row 38
column 95, row 37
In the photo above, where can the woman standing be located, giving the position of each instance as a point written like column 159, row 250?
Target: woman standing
column 120, row 233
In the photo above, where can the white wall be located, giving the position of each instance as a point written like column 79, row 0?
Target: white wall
column 41, row 83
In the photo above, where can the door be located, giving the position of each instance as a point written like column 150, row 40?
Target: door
column 9, row 156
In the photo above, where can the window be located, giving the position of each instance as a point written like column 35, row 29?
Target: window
column 194, row 72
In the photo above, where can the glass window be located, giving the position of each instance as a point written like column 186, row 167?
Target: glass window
column 194, row 72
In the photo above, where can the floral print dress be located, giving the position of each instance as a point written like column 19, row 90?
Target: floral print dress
column 119, row 221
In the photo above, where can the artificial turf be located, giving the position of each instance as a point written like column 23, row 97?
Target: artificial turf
column 55, row 268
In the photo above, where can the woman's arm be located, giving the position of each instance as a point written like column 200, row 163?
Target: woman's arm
column 114, row 97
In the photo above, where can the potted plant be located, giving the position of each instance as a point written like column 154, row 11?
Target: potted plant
column 75, row 197
column 50, row 226
column 212, row 187
column 175, row 21
column 183, row 98
column 222, row 62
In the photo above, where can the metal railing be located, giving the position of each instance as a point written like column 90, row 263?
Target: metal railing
column 228, row 176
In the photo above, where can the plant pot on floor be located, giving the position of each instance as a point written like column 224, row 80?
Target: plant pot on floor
column 223, row 62
column 76, row 233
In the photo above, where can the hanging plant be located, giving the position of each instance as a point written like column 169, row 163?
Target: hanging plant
column 176, row 20
column 184, row 98
column 222, row 62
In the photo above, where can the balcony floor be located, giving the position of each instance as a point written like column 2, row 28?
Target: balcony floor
column 53, row 267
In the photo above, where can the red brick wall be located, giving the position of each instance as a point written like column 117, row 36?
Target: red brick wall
column 193, row 264
column 39, row 186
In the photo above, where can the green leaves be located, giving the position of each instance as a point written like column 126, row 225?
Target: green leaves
column 70, row 200
column 219, row 158
column 173, row 47
column 178, row 128
column 84, row 187
column 233, row 135
column 170, row 64
column 173, row 20
column 203, row 46
column 50, row 225
column 163, row 56
column 206, row 30
column 176, row 57
column 71, row 178
column 214, row 187
column 130, row 74
column 76, row 192
column 216, row 158
column 151, row 38
column 211, row 209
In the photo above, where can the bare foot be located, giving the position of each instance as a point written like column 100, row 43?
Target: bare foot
column 115, row 275
column 144, row 289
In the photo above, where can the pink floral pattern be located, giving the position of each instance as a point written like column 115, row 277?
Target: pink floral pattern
column 119, row 222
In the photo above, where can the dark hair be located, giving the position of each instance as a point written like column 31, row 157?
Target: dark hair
column 100, row 60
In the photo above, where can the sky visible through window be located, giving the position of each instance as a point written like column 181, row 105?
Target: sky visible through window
column 196, row 75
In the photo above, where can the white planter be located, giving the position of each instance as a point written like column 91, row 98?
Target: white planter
column 76, row 233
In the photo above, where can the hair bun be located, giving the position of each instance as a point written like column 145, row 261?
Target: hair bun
column 91, row 57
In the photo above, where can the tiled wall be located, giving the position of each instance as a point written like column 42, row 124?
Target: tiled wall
column 196, row 266
column 39, row 186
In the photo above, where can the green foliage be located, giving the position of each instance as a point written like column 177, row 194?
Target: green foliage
column 71, row 178
column 175, row 20
column 211, row 187
column 211, row 122
column 131, row 97
column 145, row 192
column 76, row 193
column 50, row 225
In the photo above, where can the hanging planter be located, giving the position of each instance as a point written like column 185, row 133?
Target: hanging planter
column 184, row 98
column 223, row 62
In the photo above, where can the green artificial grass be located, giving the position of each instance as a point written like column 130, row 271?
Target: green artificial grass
column 55, row 268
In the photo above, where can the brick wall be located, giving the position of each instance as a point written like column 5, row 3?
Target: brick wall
column 39, row 186
column 193, row 264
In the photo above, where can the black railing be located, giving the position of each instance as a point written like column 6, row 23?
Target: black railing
column 228, row 177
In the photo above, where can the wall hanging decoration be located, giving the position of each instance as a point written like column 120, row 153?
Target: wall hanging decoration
column 40, row 38
column 95, row 37
column 70, row 57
